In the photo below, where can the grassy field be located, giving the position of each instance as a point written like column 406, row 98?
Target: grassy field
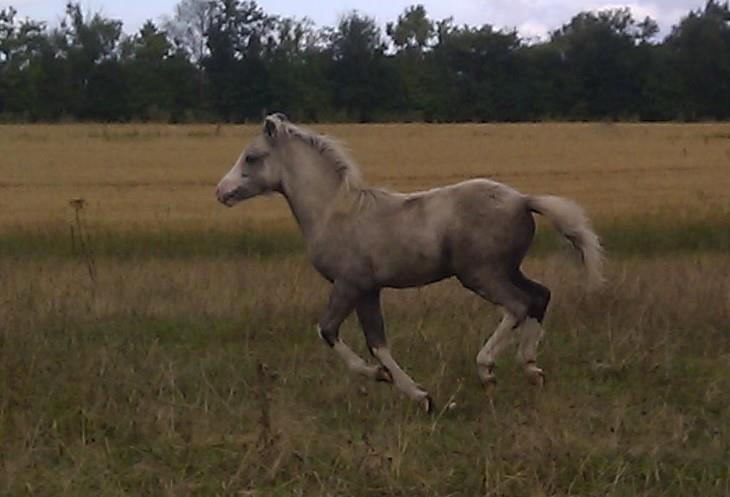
column 165, row 345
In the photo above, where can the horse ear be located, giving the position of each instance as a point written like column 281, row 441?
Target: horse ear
column 282, row 117
column 271, row 126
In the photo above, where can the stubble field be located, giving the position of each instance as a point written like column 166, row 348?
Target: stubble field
column 160, row 344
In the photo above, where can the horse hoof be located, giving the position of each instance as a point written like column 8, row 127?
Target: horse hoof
column 383, row 375
column 427, row 404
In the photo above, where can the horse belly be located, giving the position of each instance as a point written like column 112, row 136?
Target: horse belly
column 409, row 266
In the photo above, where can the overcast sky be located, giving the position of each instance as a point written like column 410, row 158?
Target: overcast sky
column 531, row 17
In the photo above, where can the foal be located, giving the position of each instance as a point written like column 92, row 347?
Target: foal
column 364, row 239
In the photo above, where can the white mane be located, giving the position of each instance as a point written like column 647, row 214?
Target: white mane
column 334, row 152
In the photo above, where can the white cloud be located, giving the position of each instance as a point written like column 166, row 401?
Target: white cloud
column 538, row 17
column 530, row 17
column 534, row 31
column 639, row 11
column 17, row 3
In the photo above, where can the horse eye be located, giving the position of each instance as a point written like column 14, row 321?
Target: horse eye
column 250, row 159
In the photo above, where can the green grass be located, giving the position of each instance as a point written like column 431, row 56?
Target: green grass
column 642, row 238
column 162, row 243
column 650, row 237
column 104, row 392
column 152, row 407
column 189, row 366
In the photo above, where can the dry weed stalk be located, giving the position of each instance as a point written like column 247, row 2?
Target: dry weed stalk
column 80, row 230
column 267, row 437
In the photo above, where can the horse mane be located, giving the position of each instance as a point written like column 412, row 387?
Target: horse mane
column 335, row 152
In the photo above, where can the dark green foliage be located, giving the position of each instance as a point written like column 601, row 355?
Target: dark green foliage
column 361, row 80
column 700, row 50
column 600, row 60
column 229, row 60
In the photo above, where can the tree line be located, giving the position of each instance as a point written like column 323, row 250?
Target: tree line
column 228, row 60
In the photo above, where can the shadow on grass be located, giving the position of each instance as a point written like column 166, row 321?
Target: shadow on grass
column 129, row 244
column 641, row 238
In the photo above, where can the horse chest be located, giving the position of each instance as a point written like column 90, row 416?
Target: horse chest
column 334, row 262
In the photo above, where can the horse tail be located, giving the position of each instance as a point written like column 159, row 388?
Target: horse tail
column 571, row 221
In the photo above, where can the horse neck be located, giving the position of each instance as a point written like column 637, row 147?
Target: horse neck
column 311, row 187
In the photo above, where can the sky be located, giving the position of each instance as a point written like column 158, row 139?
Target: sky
column 532, row 18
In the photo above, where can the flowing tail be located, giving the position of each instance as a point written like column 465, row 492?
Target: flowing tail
column 570, row 220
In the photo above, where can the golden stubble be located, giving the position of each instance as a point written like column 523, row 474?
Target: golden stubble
column 150, row 175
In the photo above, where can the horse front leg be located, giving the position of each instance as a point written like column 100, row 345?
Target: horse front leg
column 341, row 302
column 370, row 315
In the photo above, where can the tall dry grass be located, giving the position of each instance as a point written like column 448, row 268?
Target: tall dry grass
column 207, row 378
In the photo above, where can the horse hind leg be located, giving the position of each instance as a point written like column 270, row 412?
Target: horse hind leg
column 514, row 302
column 487, row 357
column 532, row 331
